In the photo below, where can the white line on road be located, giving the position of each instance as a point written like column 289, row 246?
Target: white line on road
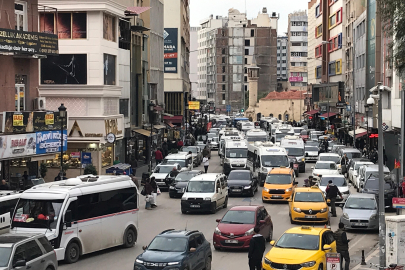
column 355, row 243
column 367, row 259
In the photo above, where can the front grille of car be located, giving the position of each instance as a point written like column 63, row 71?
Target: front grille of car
column 277, row 191
column 238, row 165
column 311, row 219
column 285, row 266
column 359, row 220
column 232, row 236
column 313, row 212
column 195, row 199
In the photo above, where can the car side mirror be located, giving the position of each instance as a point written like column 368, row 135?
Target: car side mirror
column 218, row 220
column 144, row 247
column 262, row 221
column 19, row 263
column 327, row 247
column 192, row 250
column 272, row 242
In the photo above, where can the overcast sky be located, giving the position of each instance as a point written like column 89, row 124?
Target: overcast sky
column 201, row 9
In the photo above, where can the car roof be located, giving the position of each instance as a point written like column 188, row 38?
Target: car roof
column 325, row 161
column 190, row 172
column 177, row 233
column 281, row 171
column 245, row 208
column 306, row 230
column 205, row 177
column 329, row 155
column 307, row 189
column 240, row 171
column 9, row 238
column 349, row 150
column 362, row 195
column 333, row 175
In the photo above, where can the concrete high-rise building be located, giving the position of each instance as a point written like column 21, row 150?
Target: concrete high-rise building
column 177, row 53
column 194, row 61
column 298, row 50
column 282, row 63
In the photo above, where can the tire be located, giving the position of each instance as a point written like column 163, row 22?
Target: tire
column 213, row 208
column 72, row 252
column 130, row 238
column 208, row 264
column 49, row 268
column 226, row 202
column 270, row 237
column 183, row 211
column 291, row 220
column 320, row 267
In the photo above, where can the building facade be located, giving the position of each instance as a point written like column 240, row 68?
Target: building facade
column 298, row 50
column 282, row 63
column 194, row 61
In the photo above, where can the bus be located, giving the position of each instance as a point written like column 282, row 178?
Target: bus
column 256, row 135
column 80, row 215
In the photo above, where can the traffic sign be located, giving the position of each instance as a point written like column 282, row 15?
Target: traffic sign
column 333, row 261
column 228, row 108
column 398, row 203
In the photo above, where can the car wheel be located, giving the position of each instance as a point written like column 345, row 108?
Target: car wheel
column 183, row 211
column 320, row 267
column 72, row 253
column 226, row 202
column 129, row 238
column 291, row 220
column 208, row 264
column 270, row 237
column 214, row 208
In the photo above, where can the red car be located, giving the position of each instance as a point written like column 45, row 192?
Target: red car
column 235, row 229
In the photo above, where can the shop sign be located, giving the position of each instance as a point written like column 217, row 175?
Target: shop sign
column 26, row 122
column 75, row 154
column 86, row 158
column 193, row 105
column 12, row 146
column 333, row 261
column 110, row 138
column 50, row 142
column 23, row 42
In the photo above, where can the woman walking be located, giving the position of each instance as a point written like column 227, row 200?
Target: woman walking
column 206, row 163
column 147, row 192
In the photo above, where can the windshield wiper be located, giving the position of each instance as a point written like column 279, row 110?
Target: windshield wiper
column 155, row 249
column 235, row 222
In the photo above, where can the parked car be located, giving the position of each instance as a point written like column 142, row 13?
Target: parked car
column 241, row 182
column 360, row 212
column 26, row 251
column 180, row 183
column 163, row 174
column 371, row 186
column 235, row 229
column 173, row 249
column 354, row 171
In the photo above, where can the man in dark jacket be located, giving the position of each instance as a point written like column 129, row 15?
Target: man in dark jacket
column 257, row 246
column 344, row 162
column 342, row 246
column 332, row 192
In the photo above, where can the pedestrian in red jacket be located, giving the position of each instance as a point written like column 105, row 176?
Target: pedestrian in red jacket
column 158, row 156
column 180, row 144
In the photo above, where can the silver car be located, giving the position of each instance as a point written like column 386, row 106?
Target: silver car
column 28, row 251
column 360, row 212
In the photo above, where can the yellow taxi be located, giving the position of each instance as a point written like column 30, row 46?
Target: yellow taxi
column 278, row 185
column 308, row 204
column 302, row 248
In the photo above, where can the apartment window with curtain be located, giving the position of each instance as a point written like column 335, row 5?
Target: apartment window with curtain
column 20, row 11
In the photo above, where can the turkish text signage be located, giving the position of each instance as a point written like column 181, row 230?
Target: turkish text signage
column 26, row 122
column 28, row 42
column 14, row 146
column 170, row 36
column 50, row 142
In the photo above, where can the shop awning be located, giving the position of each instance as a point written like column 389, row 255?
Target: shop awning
column 326, row 115
column 169, row 124
column 177, row 119
column 312, row 112
column 144, row 132
column 159, row 126
column 360, row 132
column 136, row 10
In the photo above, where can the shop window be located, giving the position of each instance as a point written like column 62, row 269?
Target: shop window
column 20, row 12
column 109, row 28
column 335, row 19
column 339, row 66
column 68, row 25
column 107, row 153
column 332, row 68
column 19, row 97
column 318, row 31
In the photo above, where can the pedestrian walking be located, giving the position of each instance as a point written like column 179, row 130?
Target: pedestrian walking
column 158, row 156
column 342, row 246
column 257, row 246
column 206, row 162
column 206, row 151
column 154, row 192
column 344, row 162
column 332, row 191
column 165, row 148
column 147, row 192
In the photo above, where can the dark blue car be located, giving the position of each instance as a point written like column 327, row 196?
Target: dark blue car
column 176, row 250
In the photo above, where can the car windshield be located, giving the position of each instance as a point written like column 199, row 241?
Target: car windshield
column 37, row 181
column 235, row 175
column 37, row 213
column 257, row 138
column 247, row 124
column 184, row 177
column 173, row 161
column 163, row 169
column 325, row 166
column 311, row 148
column 201, row 186
column 337, row 181
column 5, row 255
column 236, row 153
column 304, row 132
column 280, row 136
column 353, row 155
column 282, row 179
column 211, row 135
column 298, row 241
column 329, row 158
column 168, row 244
column 372, row 183
column 361, row 203
column 309, row 197
column 188, row 149
column 296, row 152
column 239, row 217
column 275, row 161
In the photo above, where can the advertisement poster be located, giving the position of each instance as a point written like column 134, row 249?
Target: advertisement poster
column 371, row 43
column 26, row 122
column 50, row 142
column 86, row 158
column 109, row 69
column 170, row 36
column 20, row 145
column 64, row 69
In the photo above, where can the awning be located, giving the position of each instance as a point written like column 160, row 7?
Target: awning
column 169, row 124
column 159, row 126
column 312, row 112
column 326, row 115
column 360, row 132
column 177, row 119
column 144, row 132
column 136, row 10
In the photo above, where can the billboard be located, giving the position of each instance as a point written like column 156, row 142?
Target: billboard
column 64, row 69
column 18, row 145
column 49, row 142
column 170, row 36
column 296, row 79
column 371, row 44
column 26, row 122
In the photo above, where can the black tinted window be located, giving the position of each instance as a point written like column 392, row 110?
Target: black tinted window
column 88, row 206
column 73, row 208
column 192, row 243
column 199, row 240
column 27, row 251
column 45, row 243
column 6, row 206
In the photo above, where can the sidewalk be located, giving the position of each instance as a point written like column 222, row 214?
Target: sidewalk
column 372, row 259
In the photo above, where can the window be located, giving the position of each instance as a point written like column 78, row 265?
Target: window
column 246, row 51
column 246, row 61
column 223, row 87
column 223, row 51
column 109, row 27
column 279, row 117
column 335, row 19
column 19, row 97
column 284, row 61
column 245, row 78
column 332, row 68
column 223, row 78
column 318, row 11
column 247, row 42
column 192, row 243
column 5, row 206
column 73, row 209
column 246, row 87
column 223, row 96
column 318, row 72
column 339, row 66
column 124, row 34
column 331, row 2
column 299, row 54
column 283, row 68
column 335, row 43
column 68, row 26
column 223, row 69
column 45, row 243
column 296, row 44
column 223, row 59
column 318, row 31
column 199, row 239
column 293, row 64
column 124, row 104
column 284, row 47
column 20, row 11
column 318, row 51
column 252, row 32
column 27, row 252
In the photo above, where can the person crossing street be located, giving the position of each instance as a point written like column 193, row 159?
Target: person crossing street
column 332, row 191
column 206, row 162
column 257, row 246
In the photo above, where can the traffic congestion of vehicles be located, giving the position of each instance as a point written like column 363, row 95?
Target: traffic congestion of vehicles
column 255, row 179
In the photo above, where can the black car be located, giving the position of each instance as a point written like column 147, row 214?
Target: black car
column 241, row 182
column 176, row 250
column 176, row 190
column 371, row 186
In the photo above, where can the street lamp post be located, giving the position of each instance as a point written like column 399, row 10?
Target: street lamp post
column 62, row 116
column 151, row 119
column 366, row 107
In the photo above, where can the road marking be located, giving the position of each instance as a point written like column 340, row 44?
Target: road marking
column 367, row 259
column 355, row 243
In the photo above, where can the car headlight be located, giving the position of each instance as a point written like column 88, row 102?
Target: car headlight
column 288, row 189
column 207, row 199
column 345, row 216
column 172, row 187
column 303, row 159
column 308, row 264
column 323, row 210
column 266, row 189
column 296, row 209
column 173, row 263
column 247, row 187
column 267, row 261
column 373, row 216
column 139, row 261
column 183, row 198
column 217, row 231
column 249, row 232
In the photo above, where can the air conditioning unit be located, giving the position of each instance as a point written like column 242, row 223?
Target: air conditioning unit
column 40, row 104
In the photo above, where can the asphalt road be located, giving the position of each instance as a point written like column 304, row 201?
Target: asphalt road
column 168, row 215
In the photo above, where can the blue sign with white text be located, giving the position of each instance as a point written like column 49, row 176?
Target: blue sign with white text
column 50, row 141
column 86, row 158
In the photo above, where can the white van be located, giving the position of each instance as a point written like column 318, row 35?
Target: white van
column 206, row 193
column 80, row 215
column 245, row 126
column 262, row 157
column 256, row 135
column 235, row 155
column 281, row 132
column 8, row 201
column 295, row 148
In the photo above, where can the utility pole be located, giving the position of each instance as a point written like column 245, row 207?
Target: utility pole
column 353, row 95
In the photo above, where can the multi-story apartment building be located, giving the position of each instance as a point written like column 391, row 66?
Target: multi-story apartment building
column 298, row 50
column 313, row 41
column 194, row 61
column 177, row 54
column 282, row 63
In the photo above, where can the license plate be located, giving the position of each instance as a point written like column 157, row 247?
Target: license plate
column 310, row 216
column 195, row 206
column 236, row 190
column 360, row 224
column 231, row 241
column 277, row 197
column 295, row 165
column 161, row 183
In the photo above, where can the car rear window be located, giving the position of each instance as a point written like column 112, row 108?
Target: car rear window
column 45, row 243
